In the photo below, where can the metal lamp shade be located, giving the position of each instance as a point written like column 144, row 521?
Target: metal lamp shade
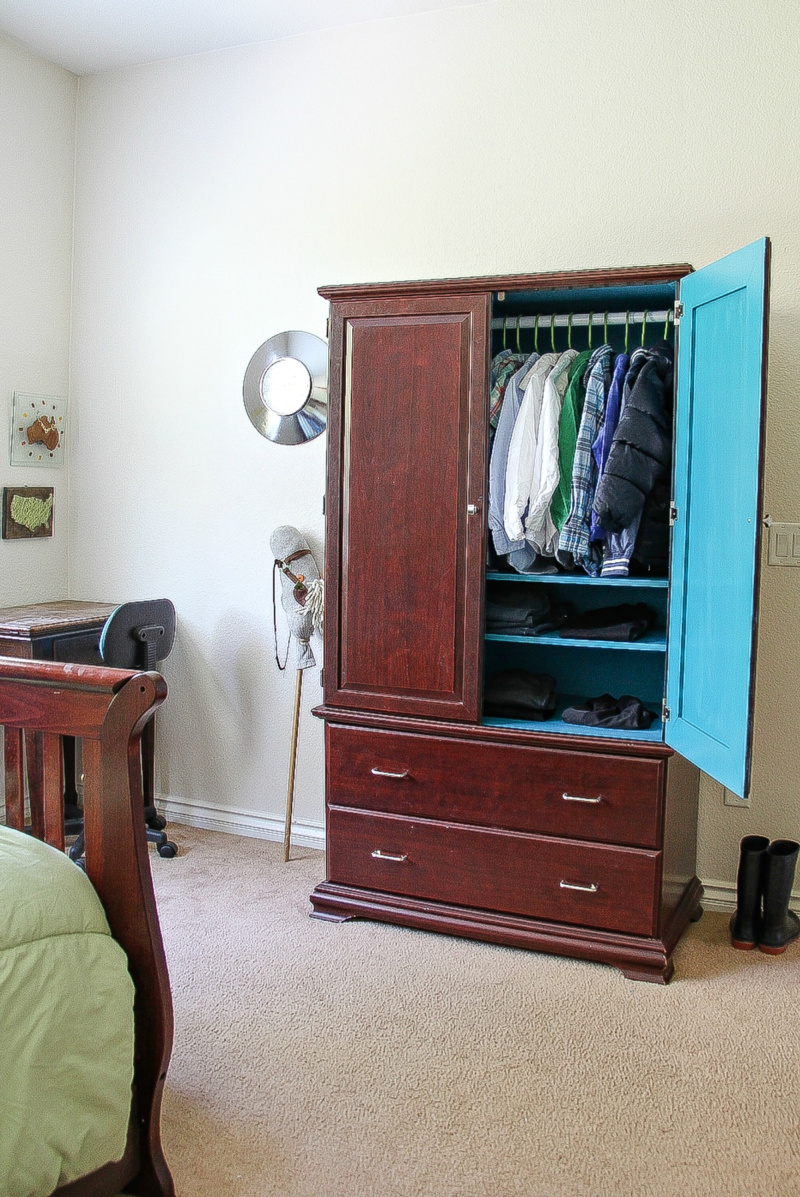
column 286, row 388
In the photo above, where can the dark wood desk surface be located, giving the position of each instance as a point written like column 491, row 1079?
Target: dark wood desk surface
column 63, row 616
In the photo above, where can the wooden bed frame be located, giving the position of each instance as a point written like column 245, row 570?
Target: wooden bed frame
column 41, row 702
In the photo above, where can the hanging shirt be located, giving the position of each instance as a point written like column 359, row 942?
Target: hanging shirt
column 519, row 468
column 504, row 365
column 512, row 402
column 573, row 542
column 540, row 531
column 602, row 444
column 571, row 412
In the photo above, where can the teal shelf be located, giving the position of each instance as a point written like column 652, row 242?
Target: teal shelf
column 556, row 726
column 652, row 642
column 580, row 580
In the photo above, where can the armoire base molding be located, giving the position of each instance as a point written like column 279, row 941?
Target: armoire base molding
column 639, row 958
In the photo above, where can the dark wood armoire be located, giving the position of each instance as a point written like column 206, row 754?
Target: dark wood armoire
column 538, row 834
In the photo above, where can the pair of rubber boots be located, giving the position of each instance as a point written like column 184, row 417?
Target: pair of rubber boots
column 763, row 889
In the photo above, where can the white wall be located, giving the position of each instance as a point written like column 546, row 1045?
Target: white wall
column 215, row 193
column 37, row 152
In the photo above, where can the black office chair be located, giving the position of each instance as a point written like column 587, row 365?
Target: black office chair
column 137, row 636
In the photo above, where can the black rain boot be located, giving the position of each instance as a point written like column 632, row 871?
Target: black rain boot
column 746, row 922
column 780, row 926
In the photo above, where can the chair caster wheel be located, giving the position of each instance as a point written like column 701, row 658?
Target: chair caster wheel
column 168, row 850
column 157, row 822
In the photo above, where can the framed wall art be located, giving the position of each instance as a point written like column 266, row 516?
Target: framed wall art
column 27, row 512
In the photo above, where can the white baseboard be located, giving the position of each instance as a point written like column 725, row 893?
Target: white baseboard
column 721, row 895
column 236, row 821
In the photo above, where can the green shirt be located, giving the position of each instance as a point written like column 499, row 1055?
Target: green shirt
column 571, row 412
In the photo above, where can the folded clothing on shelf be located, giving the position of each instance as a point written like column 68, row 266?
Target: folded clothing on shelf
column 518, row 694
column 625, row 712
column 522, row 610
column 627, row 621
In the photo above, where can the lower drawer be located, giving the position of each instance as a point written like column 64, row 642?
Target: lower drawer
column 567, row 881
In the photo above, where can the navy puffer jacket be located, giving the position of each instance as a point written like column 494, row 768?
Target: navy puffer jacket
column 641, row 451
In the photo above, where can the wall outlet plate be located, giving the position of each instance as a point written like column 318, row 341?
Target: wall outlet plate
column 731, row 799
column 784, row 544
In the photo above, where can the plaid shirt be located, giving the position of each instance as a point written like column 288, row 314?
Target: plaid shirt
column 573, row 543
column 602, row 445
column 504, row 365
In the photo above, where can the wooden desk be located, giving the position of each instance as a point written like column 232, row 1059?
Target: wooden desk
column 65, row 630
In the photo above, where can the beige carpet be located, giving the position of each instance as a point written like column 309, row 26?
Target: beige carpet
column 362, row 1060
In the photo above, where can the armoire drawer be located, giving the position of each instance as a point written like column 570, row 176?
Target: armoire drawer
column 613, row 799
column 589, row 885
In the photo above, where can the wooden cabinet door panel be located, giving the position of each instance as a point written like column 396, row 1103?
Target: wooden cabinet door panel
column 404, row 555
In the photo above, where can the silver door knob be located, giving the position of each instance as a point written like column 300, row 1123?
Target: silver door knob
column 472, row 508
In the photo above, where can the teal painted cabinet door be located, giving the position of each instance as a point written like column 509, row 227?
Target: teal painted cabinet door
column 715, row 546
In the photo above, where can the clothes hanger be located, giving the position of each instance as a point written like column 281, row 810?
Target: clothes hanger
column 644, row 323
column 591, row 316
column 569, row 332
column 605, row 329
column 505, row 322
column 519, row 350
column 536, row 334
column 627, row 318
column 552, row 333
column 666, row 327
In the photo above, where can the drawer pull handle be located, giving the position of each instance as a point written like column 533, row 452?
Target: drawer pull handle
column 584, row 889
column 378, row 855
column 577, row 798
column 383, row 773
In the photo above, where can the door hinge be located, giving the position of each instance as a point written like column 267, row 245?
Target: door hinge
column 673, row 514
column 678, row 310
column 323, row 504
column 665, row 711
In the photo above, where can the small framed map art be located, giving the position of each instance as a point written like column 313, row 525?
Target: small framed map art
column 27, row 512
column 38, row 428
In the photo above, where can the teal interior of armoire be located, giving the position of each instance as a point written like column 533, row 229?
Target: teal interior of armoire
column 694, row 667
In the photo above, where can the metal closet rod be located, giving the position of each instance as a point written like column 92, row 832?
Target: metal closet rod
column 581, row 319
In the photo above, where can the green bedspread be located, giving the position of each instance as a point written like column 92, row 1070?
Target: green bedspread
column 66, row 1023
